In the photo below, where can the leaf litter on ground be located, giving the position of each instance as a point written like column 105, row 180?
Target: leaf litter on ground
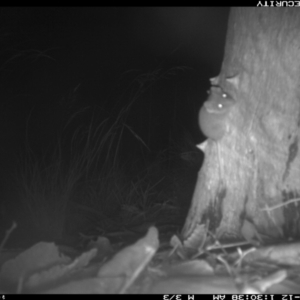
column 141, row 268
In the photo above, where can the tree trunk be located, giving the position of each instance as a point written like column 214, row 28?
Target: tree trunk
column 249, row 184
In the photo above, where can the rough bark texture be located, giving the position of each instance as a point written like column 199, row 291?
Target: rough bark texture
column 251, row 175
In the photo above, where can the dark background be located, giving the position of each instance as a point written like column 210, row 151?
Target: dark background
column 57, row 61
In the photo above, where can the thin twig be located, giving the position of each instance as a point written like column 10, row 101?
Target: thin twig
column 7, row 234
column 269, row 208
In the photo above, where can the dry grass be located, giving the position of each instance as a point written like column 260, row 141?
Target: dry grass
column 83, row 182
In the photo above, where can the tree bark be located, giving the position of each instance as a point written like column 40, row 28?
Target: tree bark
column 249, row 184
